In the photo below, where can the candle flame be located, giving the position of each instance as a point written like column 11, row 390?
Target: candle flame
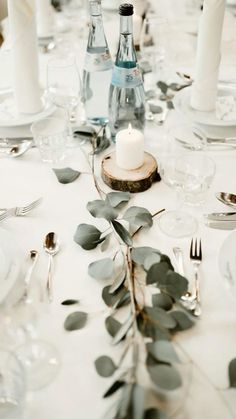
column 130, row 128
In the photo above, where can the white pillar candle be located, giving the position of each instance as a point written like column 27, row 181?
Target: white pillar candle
column 24, row 51
column 129, row 149
column 137, row 26
column 204, row 90
column 45, row 18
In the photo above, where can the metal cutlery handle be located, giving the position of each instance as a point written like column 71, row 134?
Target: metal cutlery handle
column 179, row 260
column 49, row 285
column 197, row 310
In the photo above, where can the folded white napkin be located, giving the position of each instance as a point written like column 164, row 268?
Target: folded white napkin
column 26, row 86
column 204, row 90
column 45, row 18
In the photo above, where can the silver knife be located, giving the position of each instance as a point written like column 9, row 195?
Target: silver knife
column 222, row 225
column 221, row 216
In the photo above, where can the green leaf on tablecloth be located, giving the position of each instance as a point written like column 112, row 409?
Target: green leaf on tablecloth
column 101, row 209
column 163, row 351
column 151, row 260
column 106, row 242
column 66, row 175
column 154, row 414
column 232, row 373
column 138, row 401
column 116, row 300
column 152, row 330
column 161, row 317
column 122, row 232
column 116, row 198
column 119, row 280
column 101, row 269
column 114, row 387
column 173, row 284
column 157, row 272
column 162, row 301
column 165, row 377
column 138, row 216
column 165, row 258
column 122, row 332
column 105, row 366
column 155, row 108
column 102, row 143
column 69, row 302
column 88, row 236
column 112, row 325
column 140, row 254
column 183, row 320
column 85, row 133
column 170, row 105
column 75, row 321
column 163, row 87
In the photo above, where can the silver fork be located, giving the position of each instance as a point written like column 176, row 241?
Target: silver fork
column 196, row 259
column 19, row 211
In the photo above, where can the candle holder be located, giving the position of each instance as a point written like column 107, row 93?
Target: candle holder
column 137, row 180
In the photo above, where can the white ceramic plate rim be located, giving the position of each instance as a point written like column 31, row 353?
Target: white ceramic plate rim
column 182, row 104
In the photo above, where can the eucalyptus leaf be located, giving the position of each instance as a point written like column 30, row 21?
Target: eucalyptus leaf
column 117, row 198
column 88, row 236
column 170, row 105
column 163, row 87
column 140, row 254
column 123, row 330
column 173, row 284
column 105, row 366
column 152, row 330
column 116, row 300
column 101, row 209
column 85, row 133
column 151, row 260
column 66, row 175
column 161, row 317
column 165, row 377
column 102, row 143
column 232, row 373
column 106, row 242
column 157, row 272
column 163, row 351
column 125, row 401
column 69, row 302
column 155, row 108
column 165, row 258
column 183, row 320
column 123, row 233
column 138, row 401
column 162, row 301
column 154, row 414
column 138, row 216
column 119, row 280
column 114, row 387
column 101, row 269
column 75, row 321
column 112, row 325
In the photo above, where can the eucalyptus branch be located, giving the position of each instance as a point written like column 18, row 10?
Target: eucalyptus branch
column 153, row 215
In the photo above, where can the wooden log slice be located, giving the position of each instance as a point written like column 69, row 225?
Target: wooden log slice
column 138, row 180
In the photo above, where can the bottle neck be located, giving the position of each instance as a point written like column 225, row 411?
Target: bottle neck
column 126, row 52
column 96, row 34
column 126, row 25
column 95, row 9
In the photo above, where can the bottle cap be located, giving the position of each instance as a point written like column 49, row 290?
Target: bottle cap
column 126, row 9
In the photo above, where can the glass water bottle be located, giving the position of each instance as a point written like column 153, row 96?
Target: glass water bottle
column 97, row 69
column 127, row 97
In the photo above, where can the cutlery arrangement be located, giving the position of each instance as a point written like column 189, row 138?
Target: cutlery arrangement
column 15, row 147
column 19, row 211
column 51, row 247
column 191, row 300
column 223, row 220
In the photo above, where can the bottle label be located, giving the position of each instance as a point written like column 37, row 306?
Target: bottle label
column 126, row 77
column 98, row 62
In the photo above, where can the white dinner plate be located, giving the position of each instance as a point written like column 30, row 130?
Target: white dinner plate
column 10, row 263
column 10, row 118
column 182, row 104
column 227, row 262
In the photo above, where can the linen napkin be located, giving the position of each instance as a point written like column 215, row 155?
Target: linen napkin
column 45, row 18
column 204, row 91
column 26, row 86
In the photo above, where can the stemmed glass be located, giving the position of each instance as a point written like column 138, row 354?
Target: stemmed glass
column 64, row 87
column 190, row 175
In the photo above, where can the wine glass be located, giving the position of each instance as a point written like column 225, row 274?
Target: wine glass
column 64, row 87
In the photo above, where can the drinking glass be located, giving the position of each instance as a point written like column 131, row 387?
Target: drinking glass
column 51, row 135
column 12, row 386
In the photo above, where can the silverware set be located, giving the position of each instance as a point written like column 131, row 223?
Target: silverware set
column 15, row 147
column 19, row 211
column 223, row 220
column 191, row 300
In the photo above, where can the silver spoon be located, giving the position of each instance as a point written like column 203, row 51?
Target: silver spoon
column 51, row 247
column 227, row 198
column 16, row 150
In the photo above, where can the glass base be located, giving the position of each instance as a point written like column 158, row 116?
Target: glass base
column 40, row 362
column 178, row 224
column 98, row 120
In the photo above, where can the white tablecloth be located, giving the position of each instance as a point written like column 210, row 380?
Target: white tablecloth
column 211, row 344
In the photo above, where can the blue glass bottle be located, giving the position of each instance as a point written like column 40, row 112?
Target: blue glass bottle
column 97, row 69
column 127, row 97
